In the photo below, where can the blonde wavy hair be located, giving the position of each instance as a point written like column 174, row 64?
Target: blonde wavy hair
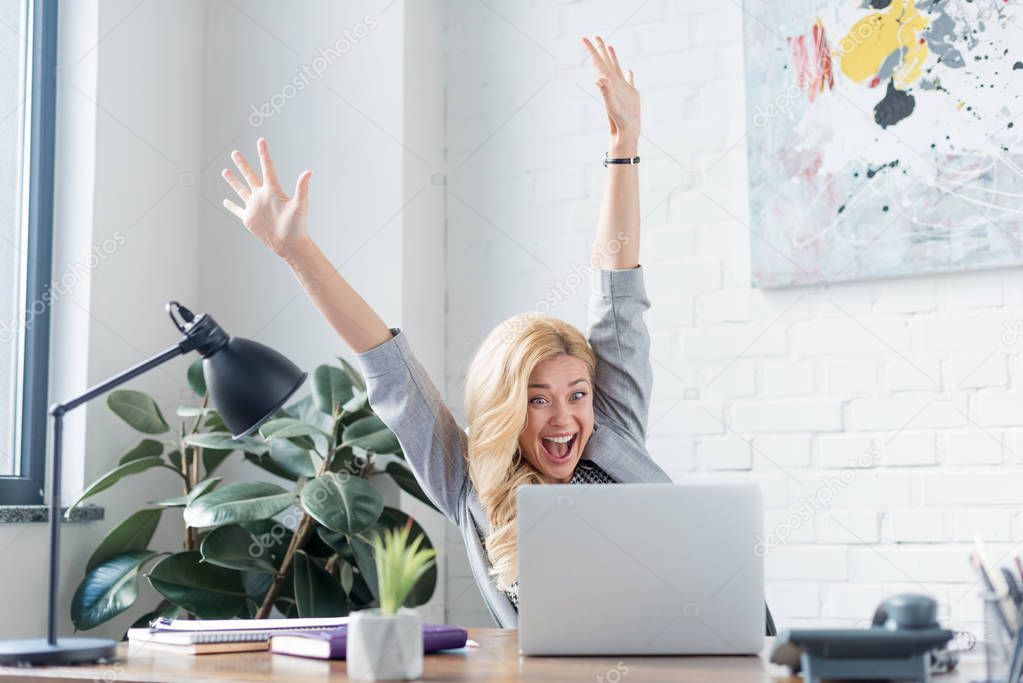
column 496, row 393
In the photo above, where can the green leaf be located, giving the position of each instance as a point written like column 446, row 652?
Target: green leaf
column 400, row 562
column 363, row 552
column 108, row 589
column 223, row 441
column 174, row 502
column 265, row 462
column 357, row 402
column 370, row 434
column 256, row 585
column 285, row 601
column 134, row 533
column 298, row 461
column 317, row 593
column 357, row 381
column 273, row 536
column 115, row 475
column 240, row 502
column 215, row 423
column 345, row 460
column 233, row 547
column 288, row 427
column 139, row 410
column 146, row 448
column 342, row 503
column 175, row 459
column 165, row 609
column 196, row 380
column 205, row 590
column 347, row 577
column 422, row 591
column 201, row 488
column 316, row 547
column 192, row 411
column 404, row 478
column 306, row 411
column 359, row 596
column 337, row 542
column 332, row 388
column 212, row 459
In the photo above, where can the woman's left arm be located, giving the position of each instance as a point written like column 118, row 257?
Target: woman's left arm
column 618, row 298
column 617, row 242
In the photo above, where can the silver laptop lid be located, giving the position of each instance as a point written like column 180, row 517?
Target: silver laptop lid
column 640, row 569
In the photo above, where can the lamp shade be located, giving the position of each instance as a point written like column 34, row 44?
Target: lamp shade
column 249, row 382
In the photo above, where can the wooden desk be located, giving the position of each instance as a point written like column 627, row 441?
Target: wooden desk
column 496, row 659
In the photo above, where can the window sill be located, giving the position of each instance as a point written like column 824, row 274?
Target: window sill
column 20, row 514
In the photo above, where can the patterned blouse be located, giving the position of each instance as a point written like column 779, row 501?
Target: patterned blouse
column 585, row 473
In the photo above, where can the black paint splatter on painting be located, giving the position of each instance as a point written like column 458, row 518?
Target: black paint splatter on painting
column 871, row 172
column 895, row 106
column 1017, row 66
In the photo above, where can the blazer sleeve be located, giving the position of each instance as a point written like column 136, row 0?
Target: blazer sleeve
column 407, row 401
column 621, row 343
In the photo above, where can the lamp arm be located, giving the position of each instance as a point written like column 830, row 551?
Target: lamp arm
column 179, row 349
column 57, row 410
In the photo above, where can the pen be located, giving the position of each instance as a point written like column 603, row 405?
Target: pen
column 154, row 624
column 1014, row 588
column 1016, row 665
column 978, row 565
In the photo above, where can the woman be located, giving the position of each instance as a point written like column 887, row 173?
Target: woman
column 543, row 405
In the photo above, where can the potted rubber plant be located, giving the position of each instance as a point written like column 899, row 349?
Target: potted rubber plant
column 387, row 642
column 297, row 546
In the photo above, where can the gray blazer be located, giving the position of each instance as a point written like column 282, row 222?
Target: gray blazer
column 435, row 446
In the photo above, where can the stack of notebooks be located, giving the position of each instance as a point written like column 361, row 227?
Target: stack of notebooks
column 319, row 638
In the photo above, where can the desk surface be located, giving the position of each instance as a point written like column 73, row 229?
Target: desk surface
column 496, row 659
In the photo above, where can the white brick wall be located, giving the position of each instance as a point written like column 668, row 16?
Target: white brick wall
column 785, row 386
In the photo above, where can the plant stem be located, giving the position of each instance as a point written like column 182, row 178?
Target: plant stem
column 190, row 470
column 303, row 531
column 298, row 539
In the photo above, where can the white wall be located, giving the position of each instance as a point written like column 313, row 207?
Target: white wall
column 784, row 386
column 127, row 227
column 153, row 98
column 369, row 125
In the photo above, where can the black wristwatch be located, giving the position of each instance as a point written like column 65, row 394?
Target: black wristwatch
column 624, row 160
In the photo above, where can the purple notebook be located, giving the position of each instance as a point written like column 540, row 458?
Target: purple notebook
column 330, row 643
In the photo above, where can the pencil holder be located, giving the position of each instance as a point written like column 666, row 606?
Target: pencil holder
column 997, row 641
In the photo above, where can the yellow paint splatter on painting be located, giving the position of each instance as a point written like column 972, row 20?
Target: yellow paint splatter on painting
column 871, row 39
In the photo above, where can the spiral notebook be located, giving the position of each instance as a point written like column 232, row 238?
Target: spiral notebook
column 222, row 635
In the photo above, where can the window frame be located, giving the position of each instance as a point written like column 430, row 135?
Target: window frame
column 30, row 417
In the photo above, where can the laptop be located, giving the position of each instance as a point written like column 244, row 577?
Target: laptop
column 629, row 569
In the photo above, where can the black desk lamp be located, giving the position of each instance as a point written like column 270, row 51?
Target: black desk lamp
column 247, row 383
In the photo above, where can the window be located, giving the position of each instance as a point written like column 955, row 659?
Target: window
column 28, row 45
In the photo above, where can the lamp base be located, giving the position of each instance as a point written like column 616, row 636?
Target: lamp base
column 66, row 651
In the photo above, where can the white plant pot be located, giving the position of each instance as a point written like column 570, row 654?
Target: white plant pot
column 385, row 646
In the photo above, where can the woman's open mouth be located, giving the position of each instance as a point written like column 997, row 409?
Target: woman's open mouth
column 559, row 448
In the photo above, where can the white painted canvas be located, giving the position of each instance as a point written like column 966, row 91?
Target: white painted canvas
column 884, row 137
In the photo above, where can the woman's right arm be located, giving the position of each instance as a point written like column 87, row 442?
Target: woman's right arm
column 280, row 223
column 400, row 392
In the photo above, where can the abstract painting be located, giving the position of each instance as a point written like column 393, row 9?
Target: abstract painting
column 883, row 137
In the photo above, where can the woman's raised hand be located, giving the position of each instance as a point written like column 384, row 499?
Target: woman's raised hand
column 621, row 99
column 269, row 214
